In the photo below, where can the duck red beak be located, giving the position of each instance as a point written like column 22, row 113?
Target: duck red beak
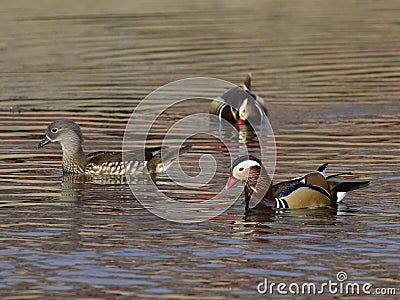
column 231, row 182
column 241, row 122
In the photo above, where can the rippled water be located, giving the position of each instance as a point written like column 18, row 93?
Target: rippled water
column 330, row 73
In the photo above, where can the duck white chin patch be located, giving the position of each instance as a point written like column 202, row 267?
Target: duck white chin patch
column 340, row 196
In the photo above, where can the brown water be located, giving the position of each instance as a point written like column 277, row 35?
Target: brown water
column 330, row 73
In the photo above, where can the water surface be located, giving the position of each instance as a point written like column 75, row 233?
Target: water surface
column 329, row 72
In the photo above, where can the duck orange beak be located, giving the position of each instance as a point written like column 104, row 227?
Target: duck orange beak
column 241, row 122
column 231, row 182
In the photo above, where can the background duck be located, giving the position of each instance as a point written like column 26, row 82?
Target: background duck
column 68, row 134
column 310, row 191
column 239, row 105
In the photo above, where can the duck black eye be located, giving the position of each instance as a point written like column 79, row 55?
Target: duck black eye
column 54, row 130
column 241, row 169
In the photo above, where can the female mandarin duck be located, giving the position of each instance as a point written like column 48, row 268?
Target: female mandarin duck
column 310, row 191
column 239, row 105
column 69, row 135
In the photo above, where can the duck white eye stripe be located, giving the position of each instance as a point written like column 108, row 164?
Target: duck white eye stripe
column 252, row 163
column 247, row 164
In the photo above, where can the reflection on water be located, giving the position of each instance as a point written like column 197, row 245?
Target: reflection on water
column 329, row 73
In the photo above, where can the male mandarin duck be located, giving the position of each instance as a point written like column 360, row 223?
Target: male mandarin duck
column 310, row 191
column 239, row 105
column 69, row 135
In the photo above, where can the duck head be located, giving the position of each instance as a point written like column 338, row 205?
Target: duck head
column 65, row 132
column 257, row 183
column 245, row 169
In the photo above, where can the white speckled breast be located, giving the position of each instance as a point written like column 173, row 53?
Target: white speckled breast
column 71, row 166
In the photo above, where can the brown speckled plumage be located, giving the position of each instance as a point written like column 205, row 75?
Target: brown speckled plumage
column 69, row 135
